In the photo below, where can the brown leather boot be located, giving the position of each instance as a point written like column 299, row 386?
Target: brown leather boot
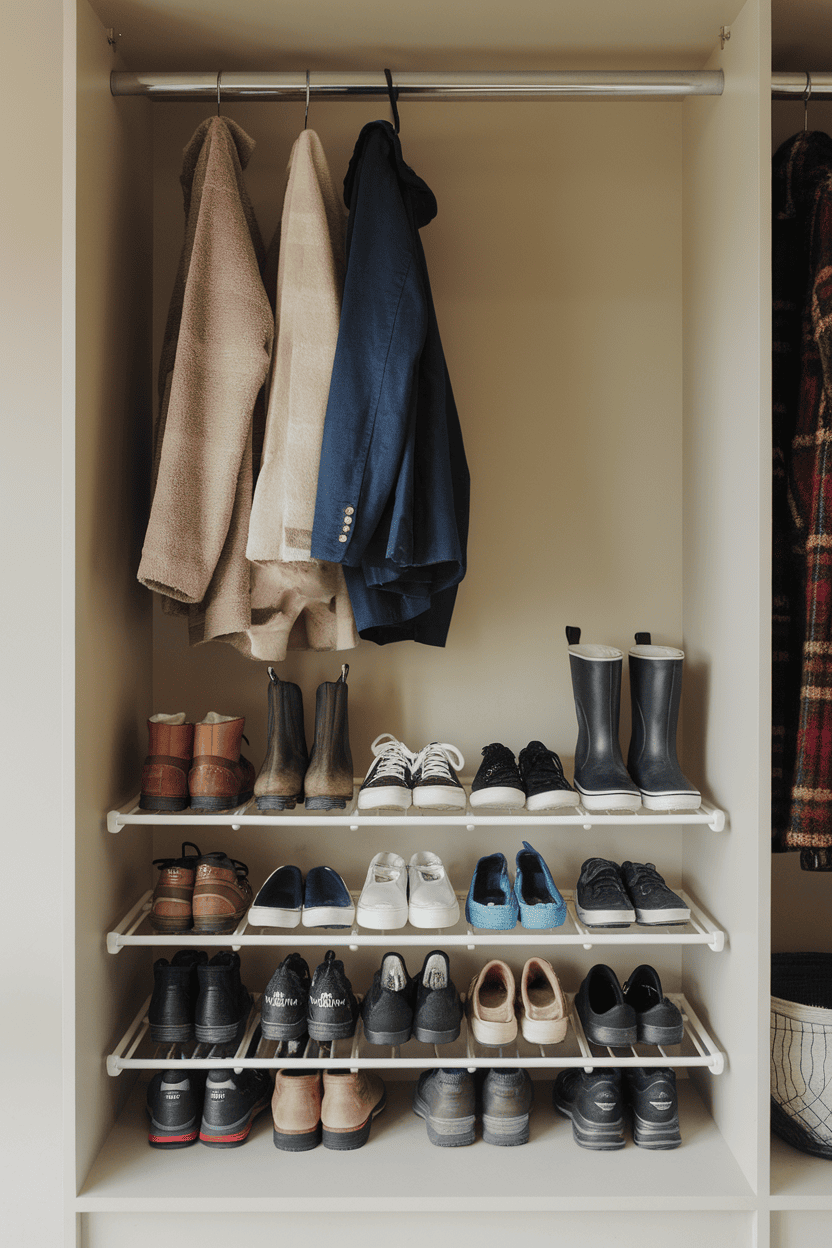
column 296, row 1110
column 279, row 783
column 170, row 749
column 220, row 778
column 350, row 1103
column 329, row 779
column 171, row 909
column 222, row 894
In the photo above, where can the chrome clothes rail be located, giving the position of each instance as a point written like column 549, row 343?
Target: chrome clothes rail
column 793, row 85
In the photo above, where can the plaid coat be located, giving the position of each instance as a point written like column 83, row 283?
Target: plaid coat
column 802, row 494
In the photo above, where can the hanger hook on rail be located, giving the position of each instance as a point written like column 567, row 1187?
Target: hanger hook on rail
column 807, row 95
column 394, row 95
column 306, row 114
column 219, row 88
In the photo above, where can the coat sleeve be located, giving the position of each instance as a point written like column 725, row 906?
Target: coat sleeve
column 222, row 355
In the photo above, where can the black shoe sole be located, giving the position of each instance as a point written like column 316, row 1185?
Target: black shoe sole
column 159, row 1034
column 387, row 1037
column 217, row 927
column 327, row 803
column 215, row 1138
column 279, row 803
column 601, row 1137
column 282, row 1031
column 330, row 1031
column 424, row 1036
column 300, row 1143
column 168, row 805
column 223, row 1033
column 663, row 1135
column 201, row 802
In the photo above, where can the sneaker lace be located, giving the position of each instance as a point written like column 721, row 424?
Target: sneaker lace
column 645, row 873
column 498, row 759
column 435, row 759
column 395, row 758
column 537, row 755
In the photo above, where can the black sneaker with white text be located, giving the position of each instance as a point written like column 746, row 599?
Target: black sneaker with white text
column 284, row 1003
column 332, row 1010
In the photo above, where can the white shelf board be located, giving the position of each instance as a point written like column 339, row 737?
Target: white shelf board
column 134, row 929
column 799, row 1181
column 399, row 1171
column 129, row 815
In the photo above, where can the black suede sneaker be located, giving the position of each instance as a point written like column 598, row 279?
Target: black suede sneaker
column 544, row 784
column 655, row 904
column 175, row 991
column 653, row 1107
column 174, row 1106
column 332, row 1011
column 387, row 1008
column 437, row 1017
column 606, row 1017
column 285, row 1001
column 233, row 1099
column 658, row 1021
column 224, row 1002
column 600, row 898
column 498, row 781
column 595, row 1103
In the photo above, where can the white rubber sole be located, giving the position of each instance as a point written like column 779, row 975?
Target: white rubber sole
column 328, row 916
column 442, row 797
column 499, row 796
column 271, row 916
column 433, row 916
column 543, row 1030
column 647, row 918
column 381, row 799
column 381, row 920
column 614, row 800
column 671, row 801
column 605, row 918
column 492, row 1034
column 553, row 801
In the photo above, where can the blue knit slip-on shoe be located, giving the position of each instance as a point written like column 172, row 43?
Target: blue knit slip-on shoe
column 539, row 901
column 491, row 902
column 326, row 900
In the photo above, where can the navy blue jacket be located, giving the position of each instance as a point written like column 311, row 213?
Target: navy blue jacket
column 393, row 483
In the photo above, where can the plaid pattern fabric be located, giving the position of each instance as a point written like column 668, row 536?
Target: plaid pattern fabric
column 802, row 494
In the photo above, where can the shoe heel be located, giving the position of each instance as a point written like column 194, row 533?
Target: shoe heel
column 345, row 1140
column 168, row 805
column 446, row 1132
column 602, row 1138
column 300, row 1142
column 171, row 1035
column 505, row 1131
column 326, row 803
column 278, row 803
column 656, row 1135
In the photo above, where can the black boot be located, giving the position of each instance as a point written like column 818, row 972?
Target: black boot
column 175, row 990
column 655, row 692
column 329, row 776
column 600, row 775
column 279, row 783
column 224, row 1002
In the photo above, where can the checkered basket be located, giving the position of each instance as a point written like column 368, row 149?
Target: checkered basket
column 801, row 1050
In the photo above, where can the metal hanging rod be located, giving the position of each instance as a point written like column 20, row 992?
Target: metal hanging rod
column 793, row 85
column 627, row 85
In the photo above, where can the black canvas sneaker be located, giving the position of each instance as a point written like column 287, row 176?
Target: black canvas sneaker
column 600, row 898
column 498, row 781
column 174, row 1106
column 595, row 1103
column 233, row 1099
column 658, row 1020
column 389, row 781
column 332, row 1011
column 387, row 1009
column 654, row 902
column 544, row 784
column 284, row 1004
column 435, row 782
column 437, row 1017
column 651, row 1101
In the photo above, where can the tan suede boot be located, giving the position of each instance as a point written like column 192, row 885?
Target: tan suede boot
column 170, row 748
column 329, row 777
column 350, row 1103
column 296, row 1110
column 220, row 778
column 279, row 783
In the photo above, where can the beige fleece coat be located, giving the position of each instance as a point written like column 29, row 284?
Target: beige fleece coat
column 215, row 358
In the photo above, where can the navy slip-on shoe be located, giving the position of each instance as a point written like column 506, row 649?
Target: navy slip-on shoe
column 539, row 901
column 491, row 903
column 326, row 900
column 280, row 900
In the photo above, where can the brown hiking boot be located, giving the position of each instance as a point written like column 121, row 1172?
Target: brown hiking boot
column 170, row 749
column 171, row 907
column 222, row 894
column 220, row 778
column 350, row 1103
column 329, row 779
column 296, row 1110
column 279, row 784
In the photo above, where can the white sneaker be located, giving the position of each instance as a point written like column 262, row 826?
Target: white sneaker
column 389, row 780
column 383, row 901
column 435, row 783
column 433, row 902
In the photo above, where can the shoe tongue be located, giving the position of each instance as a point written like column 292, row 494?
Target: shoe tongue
column 435, row 973
column 385, row 874
column 392, row 973
column 431, row 872
column 601, row 866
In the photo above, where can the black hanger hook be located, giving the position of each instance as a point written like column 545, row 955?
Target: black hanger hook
column 306, row 114
column 807, row 95
column 219, row 88
column 393, row 93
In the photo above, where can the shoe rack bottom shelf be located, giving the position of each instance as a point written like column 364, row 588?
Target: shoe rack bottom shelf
column 399, row 1171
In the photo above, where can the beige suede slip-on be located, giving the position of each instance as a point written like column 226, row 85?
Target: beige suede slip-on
column 490, row 1005
column 541, row 1006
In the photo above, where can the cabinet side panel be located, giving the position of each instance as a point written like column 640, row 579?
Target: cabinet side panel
column 112, row 614
column 726, row 549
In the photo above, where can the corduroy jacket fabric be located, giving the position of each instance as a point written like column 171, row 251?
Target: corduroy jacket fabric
column 802, row 494
column 393, row 485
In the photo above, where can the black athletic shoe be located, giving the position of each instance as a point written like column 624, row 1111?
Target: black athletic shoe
column 285, row 1001
column 446, row 1099
column 498, row 781
column 650, row 1097
column 658, row 1021
column 175, row 992
column 606, row 1017
column 600, row 898
column 595, row 1103
column 232, row 1102
column 174, row 1106
column 654, row 902
column 437, row 1018
column 507, row 1096
column 387, row 1009
column 332, row 1011
column 544, row 783
column 224, row 1002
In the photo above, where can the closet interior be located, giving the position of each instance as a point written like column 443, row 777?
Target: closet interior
column 600, row 270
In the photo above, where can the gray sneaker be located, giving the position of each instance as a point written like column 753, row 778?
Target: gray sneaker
column 507, row 1096
column 446, row 1101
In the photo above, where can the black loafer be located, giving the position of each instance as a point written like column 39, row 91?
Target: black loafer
column 658, row 1021
column 606, row 1017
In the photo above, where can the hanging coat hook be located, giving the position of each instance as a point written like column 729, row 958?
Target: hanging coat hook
column 394, row 95
column 807, row 95
column 219, row 88
column 306, row 114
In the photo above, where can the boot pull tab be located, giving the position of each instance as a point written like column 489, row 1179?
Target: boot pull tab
column 643, row 639
column 185, row 845
column 245, row 738
column 345, row 671
column 573, row 636
column 273, row 677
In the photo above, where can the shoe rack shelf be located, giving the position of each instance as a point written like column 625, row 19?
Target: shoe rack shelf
column 135, row 1052
column 249, row 816
column 134, row 929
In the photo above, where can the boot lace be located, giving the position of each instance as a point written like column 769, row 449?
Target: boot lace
column 435, row 760
column 394, row 758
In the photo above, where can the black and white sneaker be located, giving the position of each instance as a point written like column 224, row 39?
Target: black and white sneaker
column 332, row 1010
column 544, row 784
column 654, row 902
column 284, row 1004
column 498, row 781
column 435, row 782
column 595, row 1103
column 650, row 1097
column 390, row 779
column 600, row 898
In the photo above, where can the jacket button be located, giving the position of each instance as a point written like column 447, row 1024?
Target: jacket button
column 348, row 511
column 347, row 521
column 341, row 537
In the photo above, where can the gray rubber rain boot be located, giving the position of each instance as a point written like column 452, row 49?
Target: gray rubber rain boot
column 655, row 693
column 329, row 776
column 279, row 783
column 600, row 775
